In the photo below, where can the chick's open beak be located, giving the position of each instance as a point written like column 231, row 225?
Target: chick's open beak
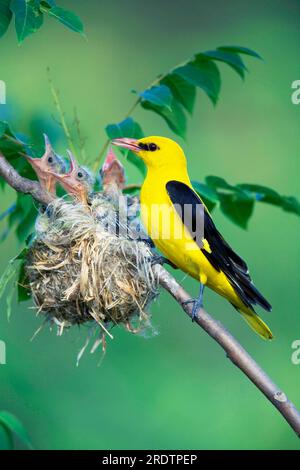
column 112, row 171
column 126, row 143
column 70, row 182
column 36, row 163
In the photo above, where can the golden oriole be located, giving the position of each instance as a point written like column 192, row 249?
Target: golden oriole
column 165, row 194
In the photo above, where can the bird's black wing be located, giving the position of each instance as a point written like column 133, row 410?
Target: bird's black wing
column 221, row 255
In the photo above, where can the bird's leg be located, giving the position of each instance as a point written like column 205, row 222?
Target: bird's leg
column 159, row 259
column 197, row 303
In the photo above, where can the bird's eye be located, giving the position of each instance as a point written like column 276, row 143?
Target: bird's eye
column 153, row 147
column 50, row 160
column 79, row 174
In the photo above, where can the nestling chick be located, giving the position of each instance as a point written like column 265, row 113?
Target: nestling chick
column 46, row 166
column 112, row 175
column 78, row 181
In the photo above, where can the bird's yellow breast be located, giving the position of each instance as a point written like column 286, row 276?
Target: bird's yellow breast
column 166, row 229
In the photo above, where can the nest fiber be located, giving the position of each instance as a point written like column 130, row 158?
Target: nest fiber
column 78, row 271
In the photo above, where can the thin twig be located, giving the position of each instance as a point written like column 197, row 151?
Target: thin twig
column 81, row 139
column 234, row 351
column 61, row 114
column 21, row 184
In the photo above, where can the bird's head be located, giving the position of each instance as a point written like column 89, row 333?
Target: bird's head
column 48, row 164
column 156, row 152
column 112, row 171
column 78, row 181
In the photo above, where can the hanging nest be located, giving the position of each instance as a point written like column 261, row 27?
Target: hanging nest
column 80, row 271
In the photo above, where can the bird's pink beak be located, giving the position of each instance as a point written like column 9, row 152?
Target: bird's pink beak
column 126, row 143
column 110, row 160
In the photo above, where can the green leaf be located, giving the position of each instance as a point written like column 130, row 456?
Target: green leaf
column 5, row 132
column 236, row 208
column 26, row 223
column 67, row 18
column 291, row 204
column 12, row 148
column 270, row 196
column 9, row 300
column 23, row 216
column 23, row 253
column 235, row 203
column 158, row 95
column 5, row 16
column 240, row 50
column 28, row 17
column 8, row 211
column 262, row 193
column 127, row 128
column 47, row 3
column 3, row 128
column 174, row 117
column 230, row 58
column 6, row 439
column 205, row 191
column 218, row 183
column 24, row 293
column 203, row 74
column 6, row 277
column 14, row 426
column 208, row 195
column 182, row 90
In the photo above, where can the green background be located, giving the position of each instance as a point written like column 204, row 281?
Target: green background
column 176, row 389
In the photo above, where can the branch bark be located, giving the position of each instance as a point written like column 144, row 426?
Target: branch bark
column 21, row 184
column 234, row 351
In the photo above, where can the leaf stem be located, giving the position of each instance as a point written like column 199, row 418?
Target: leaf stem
column 80, row 137
column 57, row 104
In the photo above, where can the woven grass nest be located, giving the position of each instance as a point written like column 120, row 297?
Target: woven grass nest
column 79, row 271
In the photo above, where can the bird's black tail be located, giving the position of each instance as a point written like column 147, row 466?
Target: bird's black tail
column 248, row 292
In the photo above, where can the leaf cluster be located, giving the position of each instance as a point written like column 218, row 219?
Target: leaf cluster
column 29, row 16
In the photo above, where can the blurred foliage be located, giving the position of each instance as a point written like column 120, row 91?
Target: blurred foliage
column 170, row 96
column 29, row 16
column 14, row 431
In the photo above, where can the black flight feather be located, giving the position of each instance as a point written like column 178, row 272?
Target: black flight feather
column 222, row 256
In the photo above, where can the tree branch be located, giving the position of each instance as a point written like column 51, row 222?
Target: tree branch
column 23, row 185
column 234, row 351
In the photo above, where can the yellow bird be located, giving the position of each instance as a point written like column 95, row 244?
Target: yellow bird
column 182, row 229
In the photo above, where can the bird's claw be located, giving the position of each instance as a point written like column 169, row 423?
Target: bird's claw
column 196, row 306
column 197, row 303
